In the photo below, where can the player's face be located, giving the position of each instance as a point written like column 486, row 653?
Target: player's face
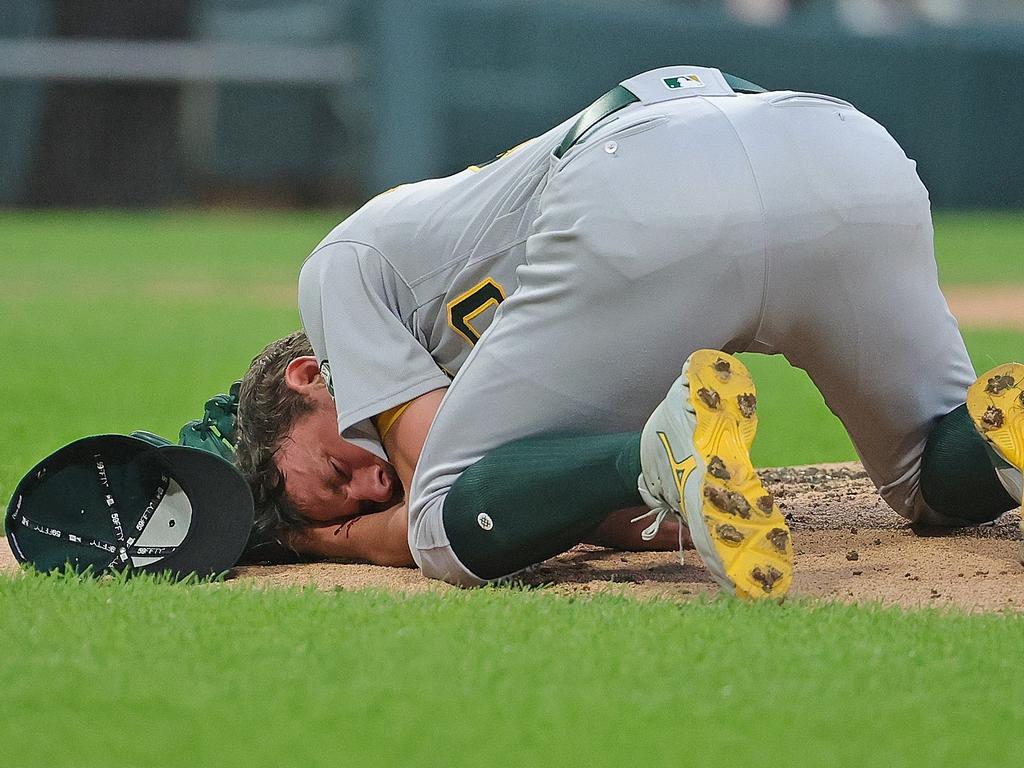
column 328, row 479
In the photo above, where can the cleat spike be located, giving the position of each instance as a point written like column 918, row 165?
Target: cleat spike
column 729, row 533
column 999, row 384
column 747, row 404
column 728, row 501
column 778, row 538
column 717, row 468
column 992, row 418
column 766, row 503
column 766, row 577
column 709, row 397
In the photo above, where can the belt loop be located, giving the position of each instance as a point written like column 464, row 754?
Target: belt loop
column 617, row 98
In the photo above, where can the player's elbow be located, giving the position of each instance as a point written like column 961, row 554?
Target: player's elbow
column 398, row 557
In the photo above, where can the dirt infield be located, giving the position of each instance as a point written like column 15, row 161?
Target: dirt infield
column 850, row 547
column 987, row 306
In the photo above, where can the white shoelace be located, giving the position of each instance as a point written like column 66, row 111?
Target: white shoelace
column 659, row 513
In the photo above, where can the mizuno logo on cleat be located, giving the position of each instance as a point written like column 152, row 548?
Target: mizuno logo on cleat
column 680, row 469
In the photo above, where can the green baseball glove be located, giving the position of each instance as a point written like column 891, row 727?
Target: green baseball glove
column 215, row 432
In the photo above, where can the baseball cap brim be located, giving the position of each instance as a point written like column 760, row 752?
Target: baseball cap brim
column 222, row 512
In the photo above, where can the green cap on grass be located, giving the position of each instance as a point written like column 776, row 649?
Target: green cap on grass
column 114, row 503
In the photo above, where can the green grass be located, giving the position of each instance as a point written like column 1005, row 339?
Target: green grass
column 114, row 322
column 980, row 247
column 166, row 676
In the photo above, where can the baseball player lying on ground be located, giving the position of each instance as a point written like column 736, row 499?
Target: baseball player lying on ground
column 686, row 215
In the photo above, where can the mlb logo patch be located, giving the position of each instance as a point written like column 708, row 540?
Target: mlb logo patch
column 683, row 81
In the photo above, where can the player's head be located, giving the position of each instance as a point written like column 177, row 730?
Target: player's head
column 300, row 470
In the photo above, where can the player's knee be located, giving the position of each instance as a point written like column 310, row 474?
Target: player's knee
column 441, row 563
column 431, row 549
column 959, row 483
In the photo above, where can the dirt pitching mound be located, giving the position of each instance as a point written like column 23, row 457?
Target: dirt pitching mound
column 987, row 306
column 850, row 547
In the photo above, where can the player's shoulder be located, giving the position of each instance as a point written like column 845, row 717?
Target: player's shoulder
column 352, row 235
column 374, row 227
column 412, row 200
column 340, row 254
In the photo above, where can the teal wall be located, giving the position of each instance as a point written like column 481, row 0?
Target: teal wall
column 460, row 81
column 21, row 103
column 447, row 83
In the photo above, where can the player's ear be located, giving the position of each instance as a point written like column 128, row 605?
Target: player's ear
column 303, row 374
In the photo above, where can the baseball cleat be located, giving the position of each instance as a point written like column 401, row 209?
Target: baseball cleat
column 996, row 405
column 695, row 460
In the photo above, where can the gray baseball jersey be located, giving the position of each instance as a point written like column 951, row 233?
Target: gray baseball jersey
column 778, row 222
column 395, row 297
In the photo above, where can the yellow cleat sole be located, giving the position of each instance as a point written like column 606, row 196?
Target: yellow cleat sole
column 996, row 404
column 744, row 522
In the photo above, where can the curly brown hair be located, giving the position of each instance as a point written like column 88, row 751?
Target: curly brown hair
column 267, row 410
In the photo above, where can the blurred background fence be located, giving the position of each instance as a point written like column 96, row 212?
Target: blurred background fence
column 318, row 102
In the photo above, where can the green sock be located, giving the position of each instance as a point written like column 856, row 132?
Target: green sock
column 958, row 476
column 535, row 498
